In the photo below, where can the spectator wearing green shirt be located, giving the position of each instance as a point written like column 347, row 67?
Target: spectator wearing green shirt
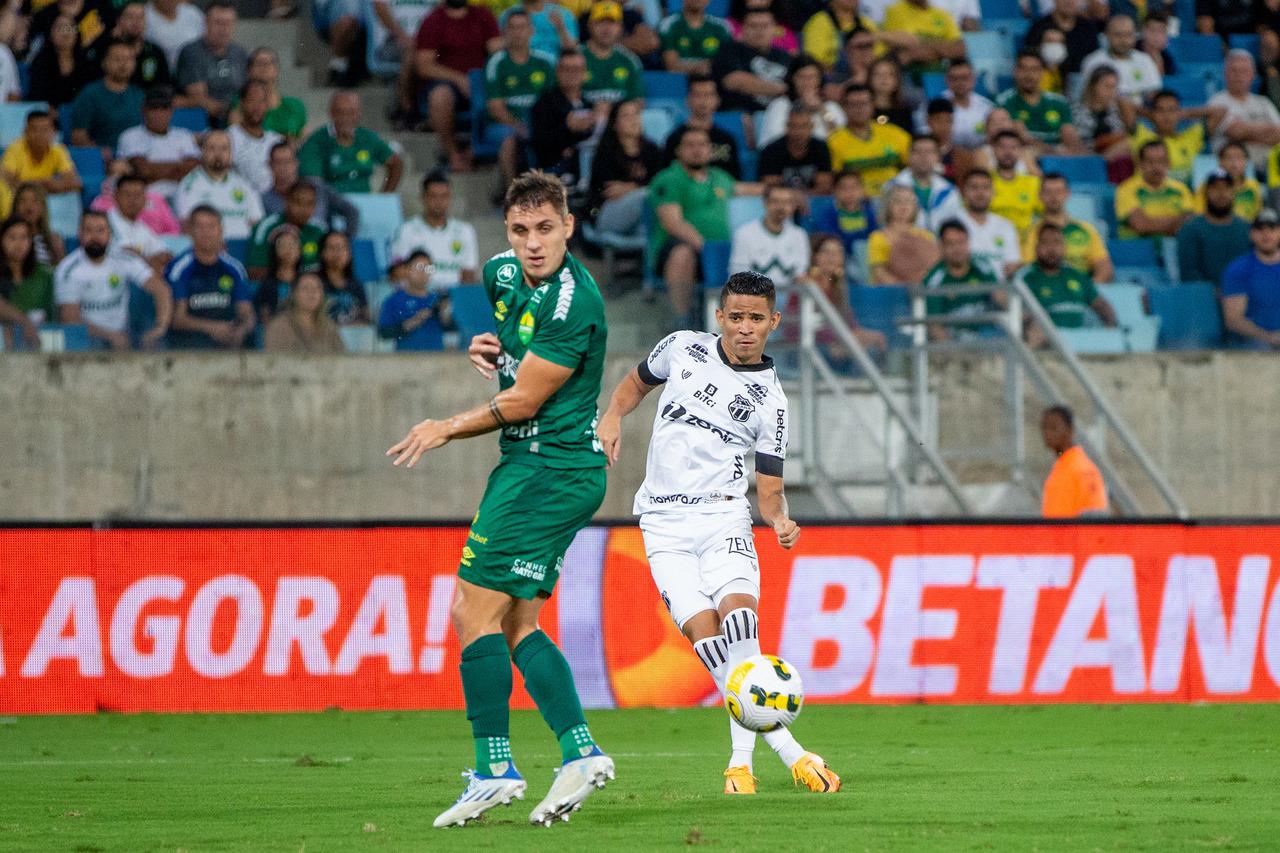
column 26, row 287
column 1041, row 118
column 1065, row 292
column 691, row 38
column 513, row 79
column 108, row 107
column 299, row 209
column 691, row 200
column 613, row 72
column 958, row 268
column 344, row 155
column 285, row 115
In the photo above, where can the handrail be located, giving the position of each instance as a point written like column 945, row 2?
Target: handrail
column 812, row 297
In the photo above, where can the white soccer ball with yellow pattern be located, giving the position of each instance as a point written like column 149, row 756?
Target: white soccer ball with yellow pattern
column 764, row 692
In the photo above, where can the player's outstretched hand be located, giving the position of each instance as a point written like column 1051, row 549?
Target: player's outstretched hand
column 609, row 431
column 484, row 351
column 425, row 436
column 788, row 532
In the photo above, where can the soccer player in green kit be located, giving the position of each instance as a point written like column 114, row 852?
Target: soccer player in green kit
column 548, row 356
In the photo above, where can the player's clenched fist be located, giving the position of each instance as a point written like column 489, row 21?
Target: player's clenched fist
column 788, row 532
column 484, row 351
column 425, row 436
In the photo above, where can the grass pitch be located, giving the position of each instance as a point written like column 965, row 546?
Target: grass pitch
column 1153, row 777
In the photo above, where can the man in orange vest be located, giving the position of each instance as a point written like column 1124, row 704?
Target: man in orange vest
column 1074, row 487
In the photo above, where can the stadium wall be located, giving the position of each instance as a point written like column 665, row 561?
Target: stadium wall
column 305, row 619
column 284, row 438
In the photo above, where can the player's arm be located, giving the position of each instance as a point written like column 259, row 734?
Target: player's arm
column 773, row 507
column 630, row 391
column 536, row 380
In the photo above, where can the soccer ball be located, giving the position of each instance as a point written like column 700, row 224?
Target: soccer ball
column 764, row 692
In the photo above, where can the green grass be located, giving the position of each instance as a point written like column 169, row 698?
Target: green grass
column 1153, row 777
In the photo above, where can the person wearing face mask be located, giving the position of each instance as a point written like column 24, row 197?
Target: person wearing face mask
column 1209, row 242
column 91, row 286
column 1053, row 52
column 1080, row 35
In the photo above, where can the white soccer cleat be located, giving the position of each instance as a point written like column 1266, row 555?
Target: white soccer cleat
column 573, row 784
column 481, row 794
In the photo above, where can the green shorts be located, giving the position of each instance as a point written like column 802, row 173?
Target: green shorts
column 527, row 520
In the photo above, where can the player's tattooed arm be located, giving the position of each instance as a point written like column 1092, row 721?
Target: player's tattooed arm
column 536, row 380
column 630, row 391
column 774, row 511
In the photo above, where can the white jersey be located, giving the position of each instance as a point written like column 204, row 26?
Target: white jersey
column 452, row 248
column 250, row 155
column 173, row 147
column 994, row 241
column 783, row 257
column 102, row 289
column 233, row 197
column 710, row 416
column 134, row 236
column 173, row 35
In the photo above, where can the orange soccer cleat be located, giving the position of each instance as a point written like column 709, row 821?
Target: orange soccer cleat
column 738, row 780
column 815, row 774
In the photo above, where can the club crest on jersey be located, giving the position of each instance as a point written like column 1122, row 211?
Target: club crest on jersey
column 525, row 332
column 507, row 273
column 740, row 408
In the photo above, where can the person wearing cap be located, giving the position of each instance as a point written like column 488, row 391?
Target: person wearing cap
column 1251, row 288
column 1209, row 242
column 1075, row 486
column 106, row 107
column 613, row 72
column 1151, row 204
column 156, row 151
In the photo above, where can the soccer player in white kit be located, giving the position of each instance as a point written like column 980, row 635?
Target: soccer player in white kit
column 720, row 400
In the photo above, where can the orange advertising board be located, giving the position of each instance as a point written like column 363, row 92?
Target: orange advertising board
column 248, row 619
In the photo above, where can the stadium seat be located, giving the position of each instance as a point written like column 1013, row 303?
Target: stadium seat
column 1000, row 9
column 1140, row 329
column 472, row 311
column 1015, row 29
column 732, row 124
column 13, row 118
column 1094, row 340
column 59, row 337
column 819, row 207
column 380, row 215
column 990, row 53
column 176, row 244
column 716, row 8
column 878, row 307
column 665, row 86
column 715, row 263
column 744, row 209
column 89, row 166
column 193, row 119
column 1084, row 205
column 364, row 260
column 1191, row 90
column 358, row 339
column 657, row 124
column 1195, row 47
column 1088, row 168
column 1245, row 41
column 375, row 35
column 1138, row 252
column 934, row 83
column 64, row 213
column 1190, row 315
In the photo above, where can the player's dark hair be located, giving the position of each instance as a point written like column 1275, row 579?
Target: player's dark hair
column 1239, row 146
column 302, row 185
column 974, row 173
column 1064, row 412
column 516, row 12
column 924, row 137
column 1052, row 176
column 204, row 210
column 1156, row 16
column 749, row 284
column 959, row 63
column 846, row 174
column 436, row 176
column 1029, row 53
column 251, row 84
column 94, row 214
column 349, row 269
column 1048, row 228
column 277, row 147
column 677, row 137
column 1007, row 133
column 854, row 87
column 534, row 189
column 938, row 106
column 130, row 179
column 770, row 189
column 952, row 225
column 1147, row 146
column 36, row 115
column 1165, row 93
column 699, row 79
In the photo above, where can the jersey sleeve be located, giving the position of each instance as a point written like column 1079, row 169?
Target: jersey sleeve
column 656, row 367
column 565, row 327
column 771, row 441
column 177, row 281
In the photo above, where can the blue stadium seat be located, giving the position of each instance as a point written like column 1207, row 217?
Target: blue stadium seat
column 716, row 8
column 176, row 244
column 1140, row 329
column 13, row 118
column 238, row 248
column 1190, row 315
column 64, row 337
column 193, row 119
column 744, row 209
column 1015, row 29
column 819, row 207
column 662, row 86
column 715, row 263
column 732, row 124
column 1195, row 47
column 1245, row 41
column 1192, row 91
column 934, row 83
column 472, row 311
column 1088, row 168
column 480, row 148
column 657, row 124
column 878, row 307
column 1084, row 205
column 358, row 339
column 1094, row 340
column 990, row 53
column 24, row 77
column 142, row 312
column 375, row 35
column 89, row 166
column 1138, row 252
column 380, row 215
column 364, row 260
column 64, row 213
column 999, row 9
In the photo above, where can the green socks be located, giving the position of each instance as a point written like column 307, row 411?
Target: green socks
column 486, row 684
column 550, row 682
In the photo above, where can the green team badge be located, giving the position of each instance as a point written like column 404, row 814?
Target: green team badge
column 310, row 248
column 507, row 273
column 362, row 156
column 113, row 280
column 224, row 283
column 710, row 44
column 456, row 246
column 621, row 73
column 238, row 195
column 536, row 78
column 1053, row 116
column 525, row 332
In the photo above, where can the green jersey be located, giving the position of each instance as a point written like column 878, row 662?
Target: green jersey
column 617, row 77
column 940, row 278
column 702, row 42
column 345, row 168
column 1066, row 295
column 260, row 242
column 562, row 321
column 517, row 84
column 704, row 204
column 1043, row 119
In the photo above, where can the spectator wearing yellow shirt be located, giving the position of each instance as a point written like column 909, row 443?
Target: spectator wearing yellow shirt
column 876, row 152
column 36, row 158
column 1151, row 204
column 1085, row 249
column 900, row 252
column 1233, row 158
column 937, row 36
column 1185, row 144
column 826, row 32
column 1014, row 195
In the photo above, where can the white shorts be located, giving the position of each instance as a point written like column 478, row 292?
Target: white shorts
column 698, row 559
